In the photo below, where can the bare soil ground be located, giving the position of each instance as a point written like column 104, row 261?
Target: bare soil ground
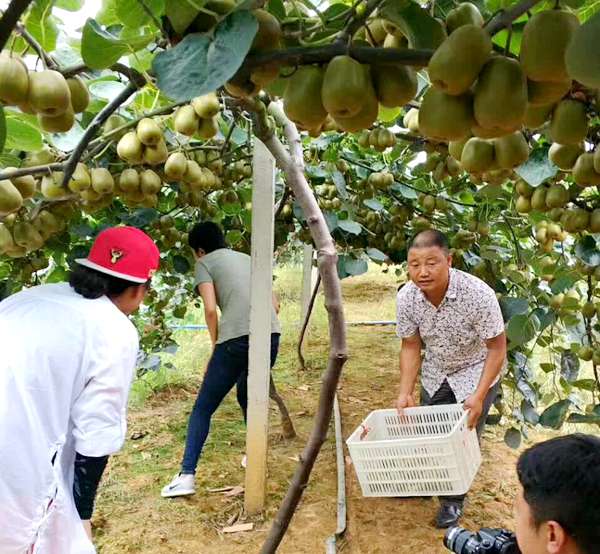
column 131, row 517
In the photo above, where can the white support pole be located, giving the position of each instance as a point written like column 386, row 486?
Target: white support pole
column 307, row 280
column 259, row 355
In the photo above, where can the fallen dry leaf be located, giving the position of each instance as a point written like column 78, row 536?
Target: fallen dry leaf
column 238, row 527
column 235, row 491
column 221, row 489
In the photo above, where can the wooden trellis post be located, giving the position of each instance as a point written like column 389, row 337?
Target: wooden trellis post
column 259, row 355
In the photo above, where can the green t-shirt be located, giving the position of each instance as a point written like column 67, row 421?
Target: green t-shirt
column 229, row 271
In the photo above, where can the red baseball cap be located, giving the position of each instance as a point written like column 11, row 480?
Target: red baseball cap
column 123, row 252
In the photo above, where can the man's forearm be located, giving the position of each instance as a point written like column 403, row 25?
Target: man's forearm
column 491, row 369
column 212, row 322
column 410, row 363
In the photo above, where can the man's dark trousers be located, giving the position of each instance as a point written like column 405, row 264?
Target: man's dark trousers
column 445, row 395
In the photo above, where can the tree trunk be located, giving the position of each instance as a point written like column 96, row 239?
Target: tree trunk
column 292, row 164
column 287, row 425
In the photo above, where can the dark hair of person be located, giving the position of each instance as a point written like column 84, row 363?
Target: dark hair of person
column 94, row 284
column 561, row 482
column 208, row 236
column 428, row 238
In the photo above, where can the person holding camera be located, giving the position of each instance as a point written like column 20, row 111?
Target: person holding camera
column 557, row 508
column 456, row 319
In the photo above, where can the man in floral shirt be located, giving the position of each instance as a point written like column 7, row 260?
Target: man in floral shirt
column 456, row 319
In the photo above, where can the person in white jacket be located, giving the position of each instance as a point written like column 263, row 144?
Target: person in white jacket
column 67, row 356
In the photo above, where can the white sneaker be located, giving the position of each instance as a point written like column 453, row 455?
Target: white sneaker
column 181, row 485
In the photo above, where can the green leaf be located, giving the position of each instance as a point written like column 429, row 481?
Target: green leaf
column 355, row 267
column 584, row 418
column 585, row 384
column 22, row 132
column 108, row 13
column 43, row 25
column 101, row 49
column 529, row 413
column 405, row 191
column 200, row 64
column 522, row 328
column 8, row 160
column 277, row 8
column 512, row 306
column 376, row 255
column 57, row 275
column 181, row 264
column 2, row 128
column 132, row 14
column 349, row 226
column 554, row 416
column 233, row 236
column 69, row 5
column 537, row 168
column 421, row 30
column 373, row 203
column 387, row 115
column 569, row 366
column 340, row 184
column 106, row 89
column 66, row 142
column 588, row 250
column 512, row 438
column 181, row 14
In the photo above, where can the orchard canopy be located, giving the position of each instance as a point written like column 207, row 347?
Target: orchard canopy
column 479, row 119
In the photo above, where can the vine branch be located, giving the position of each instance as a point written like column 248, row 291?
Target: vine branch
column 93, row 127
column 33, row 170
column 504, row 18
column 11, row 15
column 358, row 20
column 309, row 310
column 47, row 60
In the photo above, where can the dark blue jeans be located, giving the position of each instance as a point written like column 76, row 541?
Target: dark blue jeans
column 228, row 366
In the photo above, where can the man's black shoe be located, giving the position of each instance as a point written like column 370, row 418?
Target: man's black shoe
column 448, row 515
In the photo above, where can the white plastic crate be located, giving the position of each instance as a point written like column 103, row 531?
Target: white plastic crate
column 429, row 451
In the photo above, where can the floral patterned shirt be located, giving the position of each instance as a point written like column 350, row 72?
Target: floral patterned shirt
column 454, row 333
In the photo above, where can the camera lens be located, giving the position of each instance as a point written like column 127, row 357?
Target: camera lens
column 460, row 541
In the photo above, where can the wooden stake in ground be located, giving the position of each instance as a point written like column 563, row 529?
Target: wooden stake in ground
column 259, row 353
column 290, row 161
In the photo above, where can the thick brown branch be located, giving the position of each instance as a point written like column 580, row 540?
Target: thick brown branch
column 10, row 17
column 504, row 18
column 303, row 55
column 129, row 72
column 93, row 127
column 33, row 170
column 292, row 165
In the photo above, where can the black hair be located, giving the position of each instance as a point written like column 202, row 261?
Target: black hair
column 561, row 482
column 94, row 284
column 430, row 237
column 206, row 235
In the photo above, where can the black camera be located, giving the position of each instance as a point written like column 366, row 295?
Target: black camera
column 491, row 541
